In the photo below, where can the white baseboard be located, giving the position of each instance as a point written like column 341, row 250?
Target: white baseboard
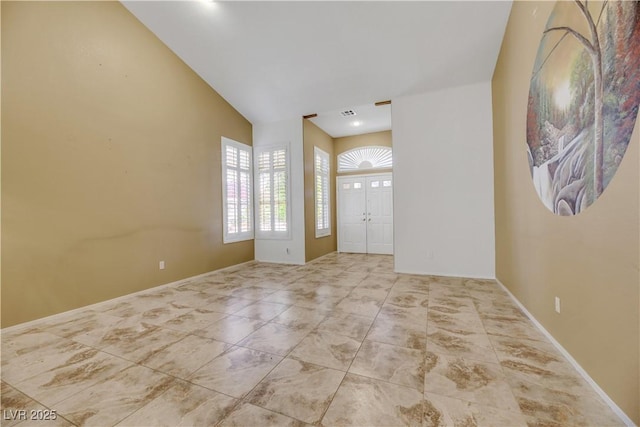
column 32, row 323
column 615, row 408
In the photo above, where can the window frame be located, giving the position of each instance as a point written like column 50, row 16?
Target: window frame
column 325, row 230
column 239, row 236
column 272, row 234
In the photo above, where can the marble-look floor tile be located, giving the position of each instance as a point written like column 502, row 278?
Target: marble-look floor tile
column 413, row 301
column 349, row 325
column 275, row 338
column 512, row 326
column 313, row 291
column 262, row 310
column 451, row 305
column 473, row 381
column 455, row 284
column 300, row 317
column 77, row 373
column 230, row 329
column 184, row 357
column 383, row 282
column 482, row 355
column 160, row 315
column 563, row 412
column 327, row 349
column 405, row 284
column 401, row 333
column 106, row 336
column 132, row 306
column 284, row 296
column 19, row 344
column 501, row 306
column 225, row 289
column 362, row 401
column 193, row 320
column 248, row 415
column 297, row 389
column 137, row 346
column 462, row 321
column 460, row 343
column 567, row 400
column 410, row 302
column 324, row 303
column 226, row 304
column 398, row 365
column 375, row 294
column 56, row 354
column 255, row 293
column 361, row 306
column 71, row 326
column 391, row 313
column 277, row 283
column 535, row 360
column 109, row 402
column 447, row 411
column 17, row 407
column 235, row 372
column 183, row 404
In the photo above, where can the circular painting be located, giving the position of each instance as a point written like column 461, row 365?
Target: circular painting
column 583, row 100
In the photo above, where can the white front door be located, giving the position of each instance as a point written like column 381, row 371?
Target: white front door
column 365, row 214
column 380, row 214
column 352, row 215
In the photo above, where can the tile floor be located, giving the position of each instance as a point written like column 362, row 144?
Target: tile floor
column 340, row 341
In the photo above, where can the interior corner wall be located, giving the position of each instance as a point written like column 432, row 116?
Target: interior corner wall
column 110, row 160
column 591, row 260
column 443, row 182
column 292, row 250
column 318, row 246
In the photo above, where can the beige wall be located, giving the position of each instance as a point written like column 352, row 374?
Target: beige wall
column 316, row 247
column 346, row 143
column 590, row 260
column 110, row 160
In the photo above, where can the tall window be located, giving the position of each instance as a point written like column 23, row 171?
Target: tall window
column 236, row 191
column 321, row 172
column 272, row 183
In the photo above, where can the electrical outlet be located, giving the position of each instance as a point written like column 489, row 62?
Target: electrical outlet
column 557, row 305
column 161, row 265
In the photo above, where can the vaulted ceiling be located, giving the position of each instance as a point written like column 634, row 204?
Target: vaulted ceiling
column 279, row 60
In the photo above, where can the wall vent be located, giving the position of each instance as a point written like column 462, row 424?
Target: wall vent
column 347, row 113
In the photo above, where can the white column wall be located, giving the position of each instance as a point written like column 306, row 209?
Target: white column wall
column 290, row 251
column 443, row 182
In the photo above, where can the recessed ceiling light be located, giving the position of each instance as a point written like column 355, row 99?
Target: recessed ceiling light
column 356, row 123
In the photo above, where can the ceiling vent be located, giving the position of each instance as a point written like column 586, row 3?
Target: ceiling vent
column 347, row 113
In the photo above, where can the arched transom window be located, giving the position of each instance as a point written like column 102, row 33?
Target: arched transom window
column 364, row 158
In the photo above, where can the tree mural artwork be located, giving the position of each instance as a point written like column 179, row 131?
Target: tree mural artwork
column 583, row 100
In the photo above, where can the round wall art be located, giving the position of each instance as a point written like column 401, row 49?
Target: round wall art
column 583, row 100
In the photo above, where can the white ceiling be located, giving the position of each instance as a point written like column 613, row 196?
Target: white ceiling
column 279, row 60
column 368, row 118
